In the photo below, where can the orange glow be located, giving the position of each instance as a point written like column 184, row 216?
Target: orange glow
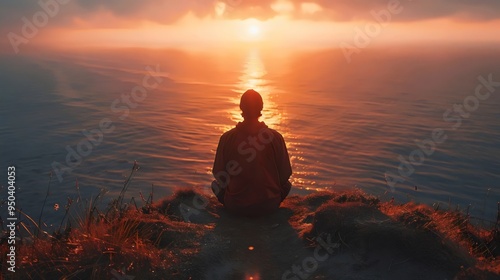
column 190, row 31
column 253, row 276
column 254, row 77
column 253, row 30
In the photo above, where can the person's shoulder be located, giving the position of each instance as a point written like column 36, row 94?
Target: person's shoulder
column 228, row 133
column 276, row 134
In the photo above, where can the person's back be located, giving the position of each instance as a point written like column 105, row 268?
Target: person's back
column 251, row 166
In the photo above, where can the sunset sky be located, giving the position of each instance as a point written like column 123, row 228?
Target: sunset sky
column 205, row 23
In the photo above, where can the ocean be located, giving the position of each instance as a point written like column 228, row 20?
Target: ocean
column 405, row 122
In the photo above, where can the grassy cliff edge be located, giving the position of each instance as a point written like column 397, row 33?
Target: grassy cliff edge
column 325, row 235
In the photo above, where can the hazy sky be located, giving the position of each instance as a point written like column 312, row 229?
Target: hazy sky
column 303, row 22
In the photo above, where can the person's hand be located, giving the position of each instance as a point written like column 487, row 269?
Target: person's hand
column 218, row 191
column 285, row 190
column 215, row 187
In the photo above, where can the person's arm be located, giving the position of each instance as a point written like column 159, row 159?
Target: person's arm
column 284, row 166
column 218, row 191
column 218, row 185
column 219, row 159
column 285, row 189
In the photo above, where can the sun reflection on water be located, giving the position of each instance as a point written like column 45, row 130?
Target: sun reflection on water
column 254, row 77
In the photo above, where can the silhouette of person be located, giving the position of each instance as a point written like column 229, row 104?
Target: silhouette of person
column 251, row 166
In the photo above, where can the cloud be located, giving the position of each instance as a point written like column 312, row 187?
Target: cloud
column 160, row 11
column 345, row 10
column 169, row 11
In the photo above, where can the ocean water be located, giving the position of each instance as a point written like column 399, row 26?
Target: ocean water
column 347, row 125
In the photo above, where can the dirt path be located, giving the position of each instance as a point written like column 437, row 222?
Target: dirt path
column 241, row 248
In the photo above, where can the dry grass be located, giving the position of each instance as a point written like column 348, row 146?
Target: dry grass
column 155, row 241
column 443, row 239
column 103, row 245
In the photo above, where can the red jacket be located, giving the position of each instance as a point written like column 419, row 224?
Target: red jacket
column 252, row 167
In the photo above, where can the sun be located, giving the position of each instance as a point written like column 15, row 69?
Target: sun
column 254, row 30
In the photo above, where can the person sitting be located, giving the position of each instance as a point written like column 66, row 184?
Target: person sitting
column 252, row 167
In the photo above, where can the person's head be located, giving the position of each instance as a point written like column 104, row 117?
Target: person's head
column 251, row 104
